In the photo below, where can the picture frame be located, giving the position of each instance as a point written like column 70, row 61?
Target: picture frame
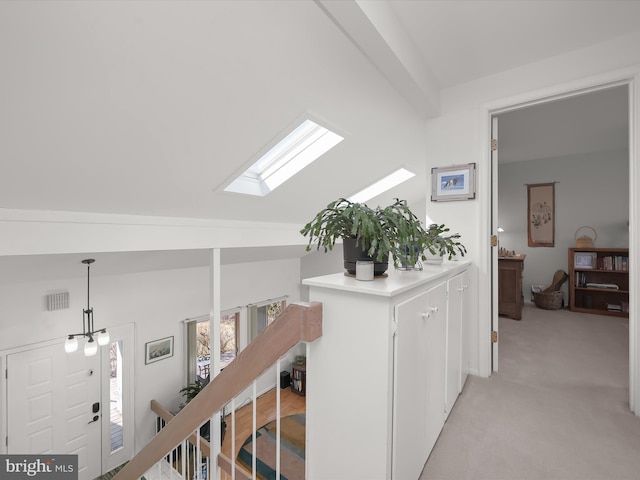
column 541, row 215
column 157, row 350
column 585, row 260
column 457, row 182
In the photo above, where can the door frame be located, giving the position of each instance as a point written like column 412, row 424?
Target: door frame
column 629, row 77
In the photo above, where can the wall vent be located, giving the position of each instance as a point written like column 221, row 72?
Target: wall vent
column 57, row 301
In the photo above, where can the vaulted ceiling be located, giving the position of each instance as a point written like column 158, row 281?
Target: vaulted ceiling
column 149, row 107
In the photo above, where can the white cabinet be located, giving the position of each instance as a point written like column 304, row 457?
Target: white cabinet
column 436, row 369
column 378, row 377
column 410, row 387
column 456, row 314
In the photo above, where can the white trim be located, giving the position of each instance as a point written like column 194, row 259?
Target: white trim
column 268, row 301
column 634, row 263
column 205, row 318
column 30, row 232
column 629, row 76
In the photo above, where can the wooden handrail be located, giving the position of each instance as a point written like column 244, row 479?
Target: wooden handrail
column 167, row 416
column 298, row 323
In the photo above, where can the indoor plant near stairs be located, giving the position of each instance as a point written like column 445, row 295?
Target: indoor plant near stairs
column 189, row 392
column 370, row 234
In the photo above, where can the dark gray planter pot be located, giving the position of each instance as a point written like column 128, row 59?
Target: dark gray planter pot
column 352, row 253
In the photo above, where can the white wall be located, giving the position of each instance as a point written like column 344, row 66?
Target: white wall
column 592, row 190
column 156, row 302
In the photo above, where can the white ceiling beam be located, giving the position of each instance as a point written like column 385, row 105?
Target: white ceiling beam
column 375, row 30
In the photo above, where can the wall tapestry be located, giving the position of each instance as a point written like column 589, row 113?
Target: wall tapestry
column 541, row 210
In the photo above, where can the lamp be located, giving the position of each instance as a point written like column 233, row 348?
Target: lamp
column 94, row 337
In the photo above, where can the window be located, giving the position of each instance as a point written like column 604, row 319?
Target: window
column 115, row 395
column 262, row 315
column 382, row 185
column 199, row 344
column 305, row 144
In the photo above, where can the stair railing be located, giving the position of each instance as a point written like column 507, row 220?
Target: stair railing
column 298, row 323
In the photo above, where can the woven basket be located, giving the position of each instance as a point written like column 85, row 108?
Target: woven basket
column 549, row 300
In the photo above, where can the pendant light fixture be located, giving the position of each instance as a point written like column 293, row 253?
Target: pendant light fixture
column 94, row 337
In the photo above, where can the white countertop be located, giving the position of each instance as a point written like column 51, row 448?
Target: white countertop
column 397, row 281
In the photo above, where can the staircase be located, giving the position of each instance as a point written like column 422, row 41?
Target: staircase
column 298, row 323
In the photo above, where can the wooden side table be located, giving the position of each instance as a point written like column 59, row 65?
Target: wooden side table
column 510, row 295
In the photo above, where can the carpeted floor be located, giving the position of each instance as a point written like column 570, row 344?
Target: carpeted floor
column 292, row 449
column 558, row 409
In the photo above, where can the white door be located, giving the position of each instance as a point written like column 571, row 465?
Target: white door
column 52, row 398
column 410, row 388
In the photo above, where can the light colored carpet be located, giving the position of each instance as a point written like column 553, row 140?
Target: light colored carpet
column 558, row 409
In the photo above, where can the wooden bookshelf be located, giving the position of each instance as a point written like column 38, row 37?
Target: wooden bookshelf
column 299, row 379
column 599, row 281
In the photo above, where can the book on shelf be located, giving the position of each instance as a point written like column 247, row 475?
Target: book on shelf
column 610, row 286
column 613, row 262
column 614, row 307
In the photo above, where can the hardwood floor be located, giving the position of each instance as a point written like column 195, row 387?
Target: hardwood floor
column 290, row 404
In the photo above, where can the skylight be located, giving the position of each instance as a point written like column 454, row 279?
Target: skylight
column 294, row 152
column 382, row 185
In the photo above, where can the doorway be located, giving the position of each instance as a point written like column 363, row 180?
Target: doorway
column 579, row 141
column 59, row 403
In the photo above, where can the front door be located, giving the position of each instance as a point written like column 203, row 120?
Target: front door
column 54, row 407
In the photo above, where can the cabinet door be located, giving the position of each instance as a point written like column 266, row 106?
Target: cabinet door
column 436, row 333
column 465, row 340
column 410, row 388
column 454, row 342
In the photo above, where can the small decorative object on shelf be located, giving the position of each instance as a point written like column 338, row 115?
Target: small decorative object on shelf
column 599, row 281
column 299, row 378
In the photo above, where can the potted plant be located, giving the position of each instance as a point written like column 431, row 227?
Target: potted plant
column 370, row 234
column 189, row 392
column 441, row 244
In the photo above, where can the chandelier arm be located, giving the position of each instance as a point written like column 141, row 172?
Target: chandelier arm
column 88, row 327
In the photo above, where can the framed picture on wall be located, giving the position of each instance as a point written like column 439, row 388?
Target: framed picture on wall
column 541, row 214
column 457, row 182
column 157, row 350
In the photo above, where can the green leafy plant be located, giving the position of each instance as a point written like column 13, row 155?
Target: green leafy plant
column 394, row 230
column 190, row 391
column 442, row 244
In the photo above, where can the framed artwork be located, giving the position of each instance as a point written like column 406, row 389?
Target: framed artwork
column 158, row 350
column 541, row 214
column 585, row 260
column 457, row 182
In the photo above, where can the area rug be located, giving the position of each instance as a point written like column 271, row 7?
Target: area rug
column 292, row 438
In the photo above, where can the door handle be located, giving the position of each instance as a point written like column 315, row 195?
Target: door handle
column 95, row 418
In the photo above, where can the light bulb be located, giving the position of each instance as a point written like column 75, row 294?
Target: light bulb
column 103, row 338
column 90, row 348
column 71, row 345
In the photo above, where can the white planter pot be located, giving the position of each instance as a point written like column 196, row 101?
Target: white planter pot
column 433, row 259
